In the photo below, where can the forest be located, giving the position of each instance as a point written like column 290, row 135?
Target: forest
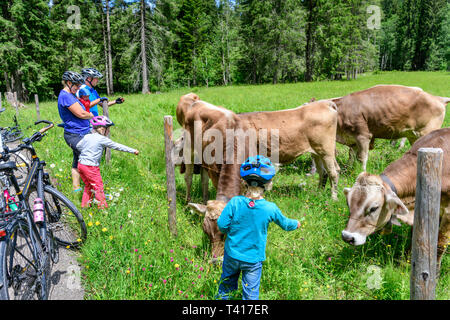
column 151, row 46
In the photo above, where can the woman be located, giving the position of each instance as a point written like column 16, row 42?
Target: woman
column 75, row 118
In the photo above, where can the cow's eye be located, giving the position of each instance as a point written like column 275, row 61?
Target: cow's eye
column 373, row 209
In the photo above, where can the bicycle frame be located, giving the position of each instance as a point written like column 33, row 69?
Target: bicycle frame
column 24, row 213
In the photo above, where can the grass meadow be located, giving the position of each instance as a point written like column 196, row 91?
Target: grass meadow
column 130, row 253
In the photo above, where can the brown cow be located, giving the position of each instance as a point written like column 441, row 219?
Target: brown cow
column 288, row 145
column 309, row 128
column 378, row 201
column 387, row 112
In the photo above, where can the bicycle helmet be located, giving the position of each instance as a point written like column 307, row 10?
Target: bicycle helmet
column 257, row 171
column 91, row 72
column 101, row 121
column 83, row 92
column 73, row 77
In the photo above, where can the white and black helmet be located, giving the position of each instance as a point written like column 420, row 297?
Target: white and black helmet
column 91, row 72
column 73, row 77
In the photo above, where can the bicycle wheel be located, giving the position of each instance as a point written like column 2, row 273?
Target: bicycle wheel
column 23, row 275
column 63, row 218
column 23, row 166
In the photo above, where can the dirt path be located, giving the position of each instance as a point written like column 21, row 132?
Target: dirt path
column 66, row 277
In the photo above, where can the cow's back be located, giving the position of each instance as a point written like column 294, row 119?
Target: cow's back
column 407, row 165
column 298, row 128
column 387, row 111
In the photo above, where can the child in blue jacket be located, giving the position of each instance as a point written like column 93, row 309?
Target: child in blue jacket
column 245, row 220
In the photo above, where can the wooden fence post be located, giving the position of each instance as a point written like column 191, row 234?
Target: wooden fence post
column 426, row 224
column 106, row 113
column 38, row 112
column 16, row 104
column 170, row 174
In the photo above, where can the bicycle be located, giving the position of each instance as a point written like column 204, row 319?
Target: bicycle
column 65, row 220
column 11, row 134
column 25, row 246
column 23, row 159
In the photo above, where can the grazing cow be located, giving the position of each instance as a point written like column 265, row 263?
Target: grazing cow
column 308, row 128
column 378, row 201
column 386, row 112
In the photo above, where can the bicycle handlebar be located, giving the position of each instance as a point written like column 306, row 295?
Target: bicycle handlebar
column 45, row 129
column 37, row 136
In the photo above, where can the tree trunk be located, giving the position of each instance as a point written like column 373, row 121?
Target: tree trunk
column 108, row 89
column 145, row 88
column 8, row 87
column 310, row 41
column 108, row 34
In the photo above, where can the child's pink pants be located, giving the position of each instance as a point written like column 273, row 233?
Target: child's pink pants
column 93, row 185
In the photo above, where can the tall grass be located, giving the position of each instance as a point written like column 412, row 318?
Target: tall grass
column 130, row 253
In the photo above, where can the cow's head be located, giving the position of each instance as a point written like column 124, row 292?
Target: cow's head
column 373, row 206
column 184, row 104
column 212, row 211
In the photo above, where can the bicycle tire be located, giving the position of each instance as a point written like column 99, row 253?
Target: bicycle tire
column 23, row 167
column 18, row 268
column 63, row 218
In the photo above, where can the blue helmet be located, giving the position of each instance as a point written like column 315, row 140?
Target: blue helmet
column 257, row 169
column 83, row 92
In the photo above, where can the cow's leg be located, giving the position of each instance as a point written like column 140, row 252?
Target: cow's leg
column 444, row 236
column 329, row 162
column 320, row 170
column 402, row 143
column 188, row 180
column 351, row 156
column 313, row 168
column 205, row 184
column 363, row 144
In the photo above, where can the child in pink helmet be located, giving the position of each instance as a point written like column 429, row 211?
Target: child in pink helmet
column 91, row 150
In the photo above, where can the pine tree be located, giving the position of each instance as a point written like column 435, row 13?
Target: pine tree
column 25, row 46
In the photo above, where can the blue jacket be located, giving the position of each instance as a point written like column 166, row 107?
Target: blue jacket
column 246, row 224
column 93, row 96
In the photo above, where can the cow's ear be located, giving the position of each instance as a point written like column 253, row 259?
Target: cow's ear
column 200, row 208
column 347, row 190
column 395, row 204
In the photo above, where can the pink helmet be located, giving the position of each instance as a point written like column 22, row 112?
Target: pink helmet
column 101, row 121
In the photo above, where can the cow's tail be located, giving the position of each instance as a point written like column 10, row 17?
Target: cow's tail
column 445, row 100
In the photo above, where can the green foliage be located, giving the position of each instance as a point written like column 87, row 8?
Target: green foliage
column 216, row 42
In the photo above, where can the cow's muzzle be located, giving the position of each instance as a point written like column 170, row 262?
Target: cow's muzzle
column 353, row 238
